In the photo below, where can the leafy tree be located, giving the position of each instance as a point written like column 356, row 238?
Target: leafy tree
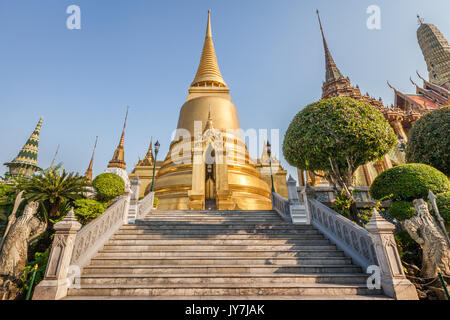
column 108, row 186
column 55, row 188
column 336, row 136
column 429, row 141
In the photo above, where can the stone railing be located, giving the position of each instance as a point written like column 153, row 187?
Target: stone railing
column 146, row 205
column 281, row 206
column 139, row 208
column 372, row 247
column 73, row 247
column 349, row 237
column 95, row 234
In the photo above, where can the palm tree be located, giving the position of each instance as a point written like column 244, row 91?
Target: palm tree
column 55, row 188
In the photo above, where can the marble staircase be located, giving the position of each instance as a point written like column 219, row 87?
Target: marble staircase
column 220, row 255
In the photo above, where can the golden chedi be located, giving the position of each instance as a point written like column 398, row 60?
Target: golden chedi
column 208, row 165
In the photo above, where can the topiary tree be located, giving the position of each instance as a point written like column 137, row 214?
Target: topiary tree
column 108, row 186
column 87, row 210
column 429, row 141
column 408, row 182
column 337, row 136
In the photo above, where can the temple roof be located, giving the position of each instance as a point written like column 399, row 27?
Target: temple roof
column 332, row 72
column 208, row 69
column 29, row 152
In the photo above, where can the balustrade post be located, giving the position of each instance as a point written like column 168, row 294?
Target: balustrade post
column 393, row 279
column 292, row 191
column 56, row 281
column 133, row 211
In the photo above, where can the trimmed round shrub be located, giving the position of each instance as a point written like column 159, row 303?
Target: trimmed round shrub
column 429, row 141
column 108, row 186
column 408, row 182
column 401, row 210
column 87, row 210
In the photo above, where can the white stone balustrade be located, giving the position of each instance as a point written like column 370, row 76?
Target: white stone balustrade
column 56, row 282
column 373, row 246
column 393, row 279
column 73, row 247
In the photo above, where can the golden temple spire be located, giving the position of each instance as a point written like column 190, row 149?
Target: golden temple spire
column 208, row 72
column 332, row 72
column 118, row 160
column 149, row 155
column 88, row 173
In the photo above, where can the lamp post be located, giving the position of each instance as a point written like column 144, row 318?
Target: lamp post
column 269, row 153
column 154, row 165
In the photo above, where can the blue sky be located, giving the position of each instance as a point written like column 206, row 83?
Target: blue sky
column 145, row 54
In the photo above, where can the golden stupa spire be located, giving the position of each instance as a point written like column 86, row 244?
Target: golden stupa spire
column 118, row 160
column 208, row 73
column 332, row 72
column 149, row 155
column 209, row 122
column 88, row 173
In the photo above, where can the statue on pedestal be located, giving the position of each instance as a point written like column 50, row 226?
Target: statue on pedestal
column 426, row 231
column 14, row 251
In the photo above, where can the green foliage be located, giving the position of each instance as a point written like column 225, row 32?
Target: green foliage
column 408, row 182
column 401, row 210
column 40, row 259
column 429, row 140
column 342, row 203
column 155, row 202
column 344, row 131
column 55, row 188
column 87, row 210
column 7, row 196
column 443, row 203
column 108, row 186
column 408, row 249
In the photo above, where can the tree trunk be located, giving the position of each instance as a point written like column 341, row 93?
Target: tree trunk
column 54, row 208
column 353, row 208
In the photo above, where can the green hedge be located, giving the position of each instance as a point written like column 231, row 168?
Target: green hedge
column 401, row 210
column 108, row 186
column 87, row 210
column 429, row 141
column 408, row 182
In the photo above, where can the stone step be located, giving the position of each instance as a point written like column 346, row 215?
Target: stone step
column 219, row 269
column 193, row 236
column 212, row 212
column 219, row 218
column 213, row 215
column 224, row 289
column 188, row 231
column 213, row 261
column 220, row 247
column 132, row 279
column 219, row 227
column 236, row 224
column 223, row 253
column 218, row 241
